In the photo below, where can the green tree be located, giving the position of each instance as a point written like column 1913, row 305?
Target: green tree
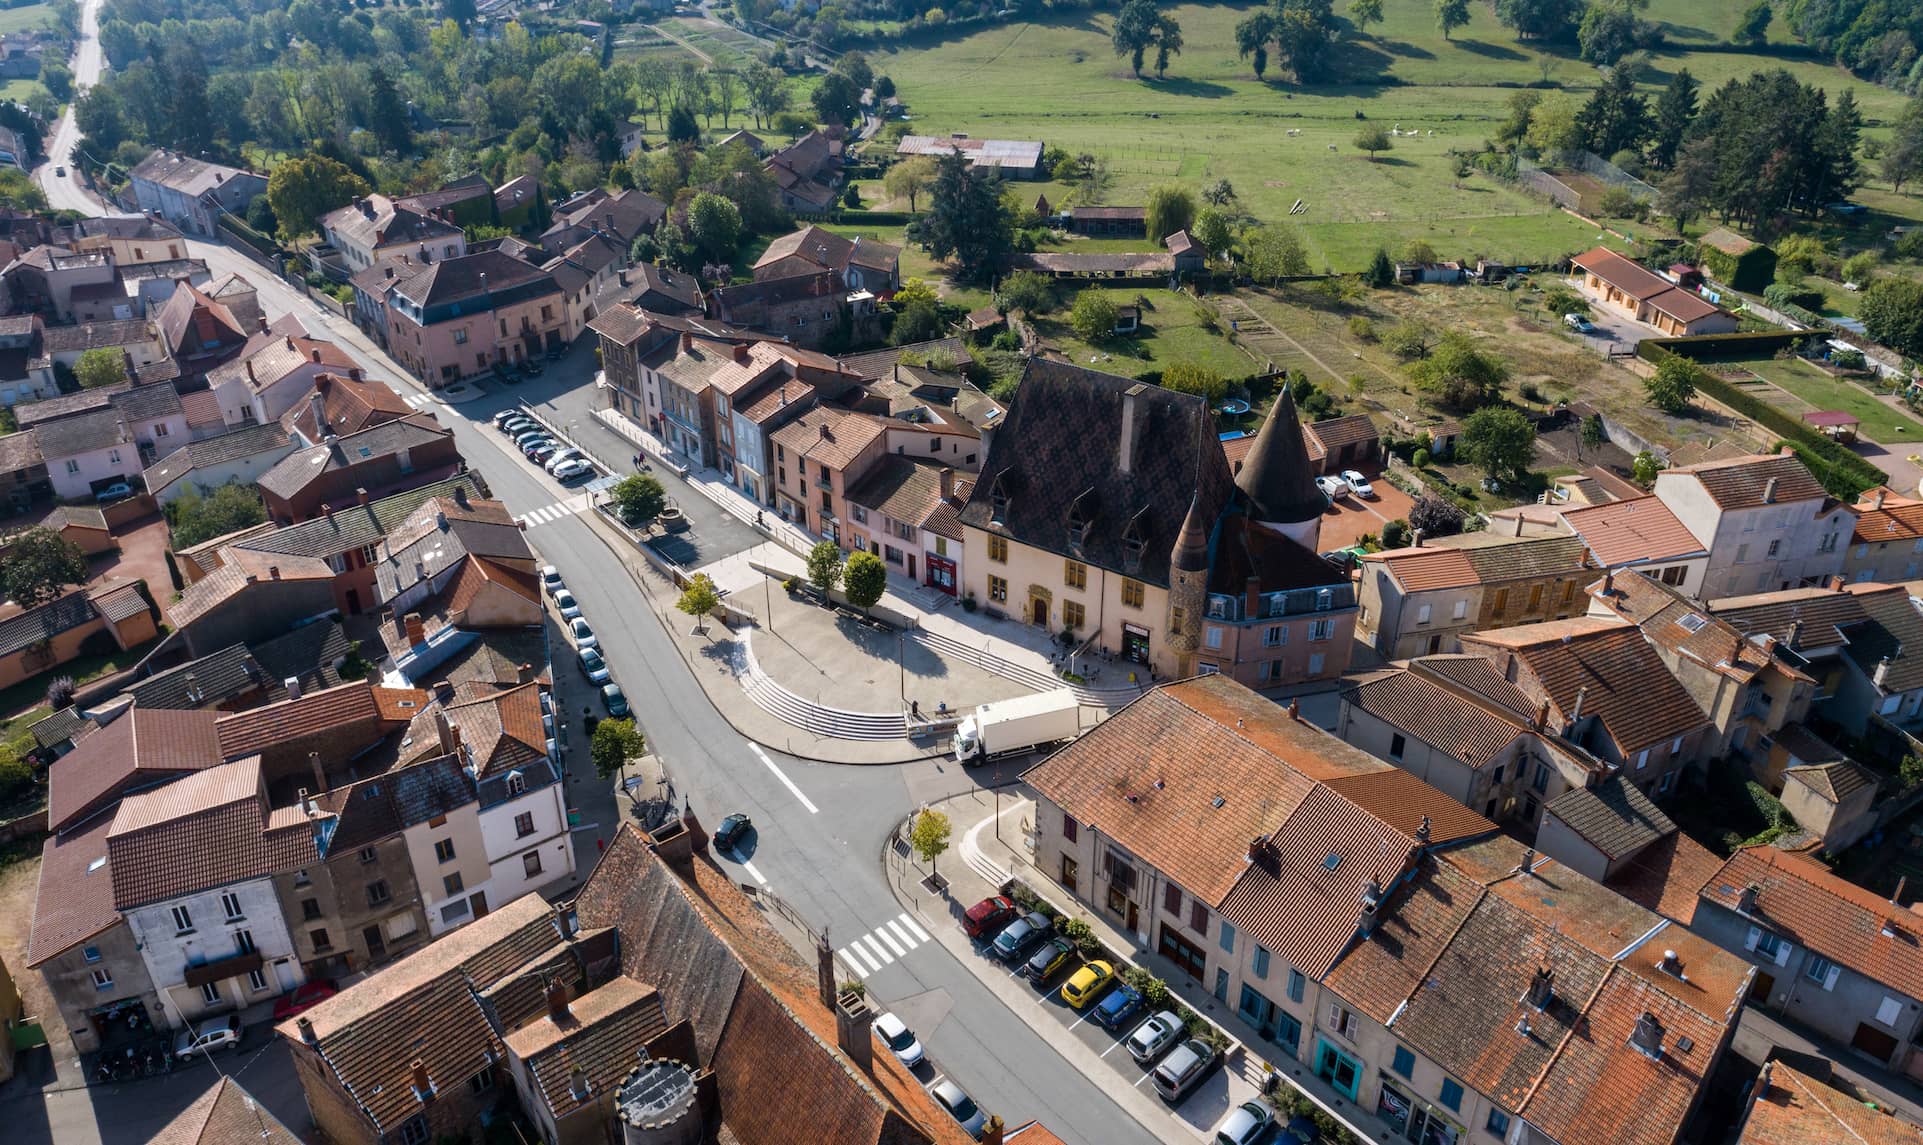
column 1675, row 111
column 1500, row 440
column 1687, row 190
column 1213, row 230
column 1892, row 312
column 824, row 566
column 104, row 366
column 1168, row 42
column 864, row 579
column 1220, row 194
column 1372, row 139
column 1189, row 378
column 1028, row 291
column 1553, row 129
column 615, row 742
column 1252, row 36
column 929, row 836
column 714, row 227
column 1170, row 208
column 639, row 498
column 1645, row 467
column 1615, row 118
column 1436, row 517
column 1753, row 29
column 1594, row 433
column 1608, row 32
column 699, row 597
column 916, row 292
column 1093, row 316
column 916, row 322
column 1395, row 534
column 1276, row 251
column 194, row 517
column 1135, row 31
column 1363, row 13
column 40, row 565
column 1539, row 19
column 304, row 188
column 1458, row 375
column 1451, row 14
column 909, row 178
column 387, row 113
column 1382, row 270
column 460, row 11
column 1903, row 153
column 681, row 125
column 836, row 99
column 967, row 219
column 1521, row 105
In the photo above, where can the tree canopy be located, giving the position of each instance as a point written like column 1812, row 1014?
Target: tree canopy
column 967, row 220
column 864, row 579
column 195, row 517
column 40, row 565
column 1170, row 208
column 100, row 367
column 1459, row 375
column 304, row 188
column 1500, row 440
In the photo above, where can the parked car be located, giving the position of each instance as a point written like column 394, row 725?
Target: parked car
column 1156, row 1033
column 615, row 701
column 557, row 351
column 505, row 373
column 531, row 366
column 60, row 172
column 733, row 829
column 1083, row 985
column 1245, row 1124
column 1048, row 958
column 540, row 451
column 1332, row 487
column 595, row 667
column 961, row 1107
column 563, row 457
column 988, row 916
column 900, row 1040
column 119, row 490
column 309, row 993
column 518, row 423
column 215, row 1035
column 1184, row 1068
column 523, row 436
column 1579, row 324
column 511, row 413
column 1118, row 1006
column 1358, row 483
column 564, row 600
column 572, row 471
column 551, row 579
column 1018, row 936
column 584, row 636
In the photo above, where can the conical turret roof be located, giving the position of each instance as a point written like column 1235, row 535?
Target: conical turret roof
column 1276, row 480
column 1192, row 543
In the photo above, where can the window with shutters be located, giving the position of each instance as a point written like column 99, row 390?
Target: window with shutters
column 1889, row 1011
column 1452, row 1095
column 1297, row 984
column 1228, row 938
column 1070, row 828
column 1342, row 1021
column 1260, row 962
column 1074, row 574
column 1821, row 971
column 1404, row 1063
column 1275, row 636
column 1198, row 916
column 1172, row 899
column 1422, row 615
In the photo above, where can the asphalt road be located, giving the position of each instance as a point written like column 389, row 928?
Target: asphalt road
column 820, row 828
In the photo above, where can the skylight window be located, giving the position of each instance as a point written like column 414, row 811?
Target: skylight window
column 1693, row 623
column 1332, row 862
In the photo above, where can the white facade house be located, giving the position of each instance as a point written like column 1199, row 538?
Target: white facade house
column 1765, row 521
column 89, row 452
column 216, row 951
column 526, row 836
column 450, row 865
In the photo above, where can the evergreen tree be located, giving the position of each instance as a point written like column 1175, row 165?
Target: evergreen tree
column 189, row 118
column 387, row 112
column 1675, row 110
column 966, row 219
column 1615, row 118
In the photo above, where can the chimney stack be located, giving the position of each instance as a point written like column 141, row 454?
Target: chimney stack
column 444, row 691
column 415, row 628
column 1131, row 413
column 1542, row 987
column 578, row 1084
column 947, row 479
column 423, row 1085
column 557, row 999
column 1877, row 501
column 1575, row 713
column 320, row 773
column 1672, row 965
column 360, row 495
column 1518, row 531
column 1251, row 592
column 824, row 970
column 1769, row 491
column 854, row 1022
column 292, row 685
column 1882, row 671
column 1609, row 582
column 1746, row 903
column 1415, row 538
column 741, row 352
column 993, row 1131
column 273, row 572
column 1648, row 1034
column 318, row 405
column 306, row 1027
column 460, row 496
column 1836, row 582
column 1795, row 634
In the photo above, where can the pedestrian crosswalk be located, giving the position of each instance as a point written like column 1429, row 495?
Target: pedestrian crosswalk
column 418, row 401
column 881, row 946
column 548, row 514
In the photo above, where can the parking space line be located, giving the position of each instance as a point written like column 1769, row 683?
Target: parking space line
column 917, row 931
column 1111, row 1049
column 758, row 876
column 881, row 932
column 1079, row 1021
column 1139, row 1081
column 858, row 960
column 782, row 776
column 900, row 932
column 875, row 949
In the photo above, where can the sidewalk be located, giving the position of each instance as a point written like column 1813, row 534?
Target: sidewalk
column 992, row 844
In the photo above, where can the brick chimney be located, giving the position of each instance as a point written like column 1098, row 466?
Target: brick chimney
column 1252, row 593
column 824, row 970
column 947, row 479
column 741, row 352
column 273, row 572
column 1877, row 501
column 320, row 773
column 360, row 496
column 854, row 1023
column 306, row 1027
column 444, row 691
column 414, row 627
column 557, row 999
column 316, row 355
column 423, row 1085
column 992, row 1132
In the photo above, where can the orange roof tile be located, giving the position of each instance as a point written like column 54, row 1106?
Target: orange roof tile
column 1801, row 899
column 1742, row 482
column 75, row 900
column 258, row 729
column 1793, row 1108
column 1635, row 531
column 1897, row 520
column 207, row 830
column 1423, row 569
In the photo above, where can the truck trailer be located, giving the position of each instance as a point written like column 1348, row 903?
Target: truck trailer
column 1009, row 727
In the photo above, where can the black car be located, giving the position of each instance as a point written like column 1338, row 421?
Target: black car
column 1050, row 957
column 733, row 829
column 531, row 366
column 557, row 351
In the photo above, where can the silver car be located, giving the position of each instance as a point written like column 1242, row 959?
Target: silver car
column 1245, row 1124
column 900, row 1040
column 1184, row 1068
column 564, row 600
column 1156, row 1033
column 960, row 1106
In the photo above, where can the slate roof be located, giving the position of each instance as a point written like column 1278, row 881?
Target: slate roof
column 225, row 1115
column 25, row 629
column 75, row 897
column 378, row 221
column 208, row 452
column 206, row 830
column 1614, row 817
column 1624, row 684
column 353, row 526
column 457, row 279
column 1740, row 482
column 59, row 727
column 95, row 336
column 19, row 451
column 1634, row 531
column 1060, row 446
column 145, row 403
column 1802, row 900
column 308, row 652
column 210, row 680
column 598, row 1038
column 83, row 433
column 304, row 467
column 384, row 805
column 1891, row 626
column 1792, row 1108
column 177, row 172
column 1818, row 615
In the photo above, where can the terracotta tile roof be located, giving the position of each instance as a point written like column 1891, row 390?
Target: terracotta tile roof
column 901, row 488
column 75, row 899
column 1682, row 305
column 1819, row 614
column 1741, row 482
column 599, row 1036
column 1834, row 782
column 316, row 713
column 231, row 579
column 1034, row 1133
column 225, row 1115
column 1614, row 817
column 823, row 248
column 206, row 830
column 477, row 573
column 1461, row 725
column 1674, row 622
column 141, row 748
column 1667, row 875
column 348, row 406
column 424, row 1007
column 1424, row 569
column 1793, row 1108
column 1336, row 432
column 829, row 436
column 400, row 705
column 1802, row 900
column 1635, row 531
column 1623, row 683
column 504, row 730
column 1621, row 273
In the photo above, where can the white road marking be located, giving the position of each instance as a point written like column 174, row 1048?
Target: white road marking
column 785, row 781
column 900, row 932
column 875, row 949
column 854, row 959
column 1111, row 1049
column 758, row 876
column 882, row 933
column 910, row 924
column 1080, row 1020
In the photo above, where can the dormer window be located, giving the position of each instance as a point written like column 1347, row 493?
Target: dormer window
column 1080, row 514
column 998, row 501
column 1324, row 599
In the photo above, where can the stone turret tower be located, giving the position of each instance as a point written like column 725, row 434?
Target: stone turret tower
column 1277, row 483
column 1188, row 586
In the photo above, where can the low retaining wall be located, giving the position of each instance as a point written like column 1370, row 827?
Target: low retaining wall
column 25, row 827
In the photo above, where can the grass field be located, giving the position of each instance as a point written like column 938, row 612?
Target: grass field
column 24, row 18
column 1171, row 331
column 1060, row 81
column 1881, row 423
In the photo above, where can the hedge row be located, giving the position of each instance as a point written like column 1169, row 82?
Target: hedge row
column 1841, row 472
column 1708, row 347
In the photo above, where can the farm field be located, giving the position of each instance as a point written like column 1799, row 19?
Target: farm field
column 1882, row 423
column 1172, row 331
column 1059, row 81
column 24, row 18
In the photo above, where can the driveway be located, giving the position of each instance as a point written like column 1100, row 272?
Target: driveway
column 1351, row 516
column 1615, row 331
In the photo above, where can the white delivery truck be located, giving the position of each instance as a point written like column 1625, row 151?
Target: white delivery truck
column 1007, row 727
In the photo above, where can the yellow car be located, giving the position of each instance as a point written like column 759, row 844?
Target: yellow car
column 1082, row 986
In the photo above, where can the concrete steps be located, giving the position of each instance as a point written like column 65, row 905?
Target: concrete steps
column 947, row 647
column 817, row 719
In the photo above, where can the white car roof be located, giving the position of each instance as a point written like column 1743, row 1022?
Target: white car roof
column 890, row 1026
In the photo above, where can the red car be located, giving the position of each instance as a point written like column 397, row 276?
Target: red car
column 304, row 996
column 988, row 916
